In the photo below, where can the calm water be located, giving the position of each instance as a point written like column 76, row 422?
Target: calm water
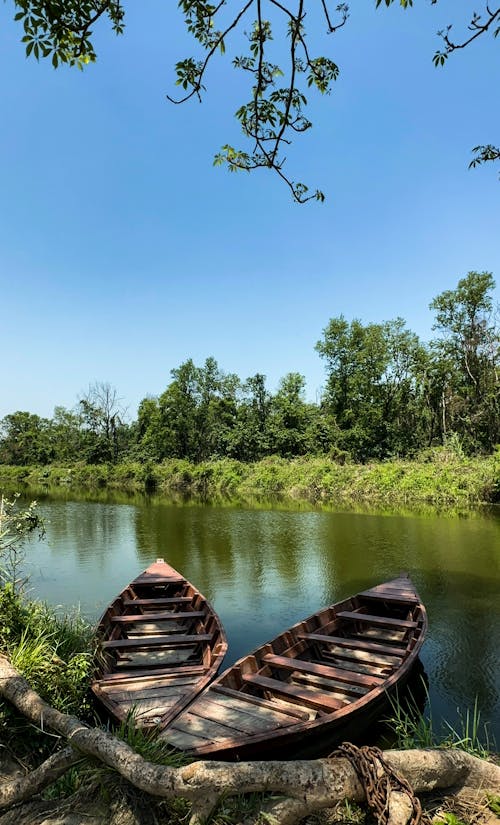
column 266, row 569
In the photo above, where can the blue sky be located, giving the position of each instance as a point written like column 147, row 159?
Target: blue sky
column 123, row 251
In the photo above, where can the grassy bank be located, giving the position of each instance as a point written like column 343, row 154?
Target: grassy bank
column 438, row 477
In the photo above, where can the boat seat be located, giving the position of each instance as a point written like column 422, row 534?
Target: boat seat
column 312, row 698
column 338, row 673
column 158, row 641
column 160, row 600
column 382, row 621
column 142, row 580
column 396, row 598
column 353, row 644
column 149, row 617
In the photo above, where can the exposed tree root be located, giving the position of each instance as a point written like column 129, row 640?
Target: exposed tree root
column 306, row 786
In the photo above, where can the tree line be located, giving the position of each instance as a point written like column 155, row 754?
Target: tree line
column 387, row 394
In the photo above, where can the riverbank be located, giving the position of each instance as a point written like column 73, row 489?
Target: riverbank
column 439, row 477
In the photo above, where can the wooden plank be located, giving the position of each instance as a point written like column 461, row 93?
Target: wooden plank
column 160, row 600
column 142, row 580
column 357, row 665
column 365, row 658
column 383, row 621
column 151, row 706
column 313, row 698
column 264, row 705
column 173, row 657
column 220, row 711
column 158, row 641
column 355, row 644
column 341, row 690
column 322, row 670
column 181, row 739
column 123, row 676
column 150, row 693
column 195, row 725
column 387, row 596
column 151, row 617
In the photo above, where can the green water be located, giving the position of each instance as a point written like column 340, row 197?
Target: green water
column 264, row 569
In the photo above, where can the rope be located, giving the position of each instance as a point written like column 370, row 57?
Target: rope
column 379, row 780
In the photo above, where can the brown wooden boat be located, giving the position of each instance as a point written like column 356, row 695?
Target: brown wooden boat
column 160, row 644
column 325, row 679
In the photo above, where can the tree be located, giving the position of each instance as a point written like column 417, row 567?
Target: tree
column 469, row 357
column 25, row 439
column 63, row 30
column 103, row 418
column 372, row 388
column 289, row 417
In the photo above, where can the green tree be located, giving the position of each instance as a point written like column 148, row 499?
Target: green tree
column 25, row 438
column 289, row 417
column 372, row 390
column 468, row 359
column 275, row 113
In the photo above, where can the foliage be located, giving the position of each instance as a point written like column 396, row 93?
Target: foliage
column 437, row 478
column 53, row 653
column 275, row 113
column 15, row 526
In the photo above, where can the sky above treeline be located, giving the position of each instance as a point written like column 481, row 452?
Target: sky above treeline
column 123, row 251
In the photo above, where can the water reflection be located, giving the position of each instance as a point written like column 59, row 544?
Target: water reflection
column 265, row 569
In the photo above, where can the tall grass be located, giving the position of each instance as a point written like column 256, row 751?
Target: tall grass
column 438, row 477
column 55, row 656
column 414, row 729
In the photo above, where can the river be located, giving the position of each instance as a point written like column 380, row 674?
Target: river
column 265, row 568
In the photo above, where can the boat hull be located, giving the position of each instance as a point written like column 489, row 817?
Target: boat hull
column 159, row 644
column 327, row 679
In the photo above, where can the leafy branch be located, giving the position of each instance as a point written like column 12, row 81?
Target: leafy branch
column 275, row 110
column 477, row 26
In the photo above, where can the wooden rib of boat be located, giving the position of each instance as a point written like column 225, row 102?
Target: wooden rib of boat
column 160, row 644
column 325, row 679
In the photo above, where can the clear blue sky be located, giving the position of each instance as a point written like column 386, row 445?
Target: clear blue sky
column 123, row 251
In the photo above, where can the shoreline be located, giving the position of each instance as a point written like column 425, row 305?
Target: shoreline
column 437, row 479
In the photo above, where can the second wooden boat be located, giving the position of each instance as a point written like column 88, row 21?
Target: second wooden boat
column 325, row 679
column 160, row 644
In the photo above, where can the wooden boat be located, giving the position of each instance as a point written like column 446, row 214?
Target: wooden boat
column 160, row 643
column 325, row 679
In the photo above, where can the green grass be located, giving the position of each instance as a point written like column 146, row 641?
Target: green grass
column 439, row 478
column 54, row 654
column 413, row 729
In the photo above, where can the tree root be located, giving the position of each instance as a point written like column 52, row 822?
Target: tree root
column 307, row 786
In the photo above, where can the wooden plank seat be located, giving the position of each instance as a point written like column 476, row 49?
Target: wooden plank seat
column 287, row 663
column 141, row 580
column 158, row 641
column 150, row 617
column 173, row 600
column 313, row 698
column 381, row 621
column 388, row 596
column 355, row 644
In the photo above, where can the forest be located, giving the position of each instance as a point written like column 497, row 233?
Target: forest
column 386, row 395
